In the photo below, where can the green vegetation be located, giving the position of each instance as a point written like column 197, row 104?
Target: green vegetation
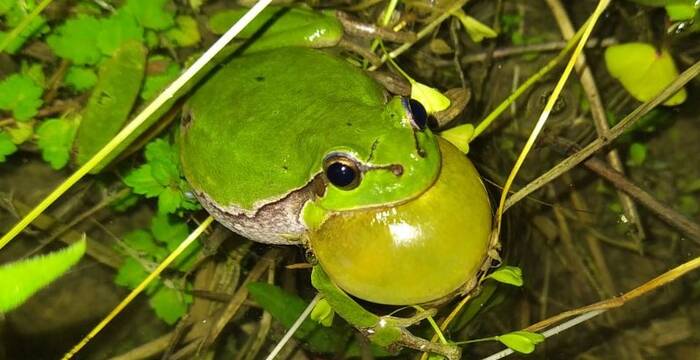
column 78, row 72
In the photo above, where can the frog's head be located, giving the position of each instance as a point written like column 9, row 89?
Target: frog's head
column 389, row 162
column 408, row 223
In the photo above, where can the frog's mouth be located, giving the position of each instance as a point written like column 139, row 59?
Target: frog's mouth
column 414, row 252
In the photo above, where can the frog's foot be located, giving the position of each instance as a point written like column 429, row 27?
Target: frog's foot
column 393, row 334
column 370, row 31
column 386, row 331
column 360, row 50
column 405, row 322
column 451, row 352
column 353, row 28
column 394, row 83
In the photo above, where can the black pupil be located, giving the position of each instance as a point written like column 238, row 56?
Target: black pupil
column 420, row 116
column 340, row 174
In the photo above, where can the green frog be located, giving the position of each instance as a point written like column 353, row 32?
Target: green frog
column 290, row 143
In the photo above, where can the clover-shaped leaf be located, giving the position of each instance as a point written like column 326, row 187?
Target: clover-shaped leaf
column 20, row 95
column 521, row 341
column 511, row 275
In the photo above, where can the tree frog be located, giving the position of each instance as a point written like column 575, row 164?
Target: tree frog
column 287, row 143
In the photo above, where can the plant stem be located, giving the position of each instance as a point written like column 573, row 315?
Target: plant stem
column 23, row 25
column 599, row 118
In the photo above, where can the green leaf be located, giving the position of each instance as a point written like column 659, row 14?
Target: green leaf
column 165, row 172
column 323, row 313
column 477, row 30
column 7, row 147
column 459, row 136
column 21, row 279
column 222, row 20
column 20, row 132
column 186, row 32
column 20, row 95
column 511, row 275
column 143, row 242
column 196, row 4
column 151, row 14
column 286, row 308
column 156, row 80
column 429, row 97
column 484, row 300
column 151, row 39
column 643, row 71
column 637, row 154
column 130, row 274
column 76, row 40
column 521, row 341
column 80, row 78
column 7, row 5
column 125, row 202
column 169, row 230
column 161, row 150
column 163, row 158
column 681, row 10
column 688, row 205
column 35, row 72
column 143, row 182
column 56, row 140
column 169, row 200
column 110, row 103
column 169, row 304
column 117, row 30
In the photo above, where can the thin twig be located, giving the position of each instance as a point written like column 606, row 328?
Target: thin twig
column 592, row 310
column 551, row 332
column 666, row 213
column 505, row 52
column 240, row 296
column 98, row 251
column 293, row 329
column 428, row 29
column 364, row 30
column 78, row 219
column 599, row 117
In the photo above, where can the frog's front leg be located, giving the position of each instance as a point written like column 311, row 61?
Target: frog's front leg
column 386, row 331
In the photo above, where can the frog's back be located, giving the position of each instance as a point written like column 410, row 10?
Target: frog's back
column 260, row 126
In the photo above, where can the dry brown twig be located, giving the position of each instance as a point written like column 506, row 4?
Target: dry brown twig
column 622, row 183
column 589, row 86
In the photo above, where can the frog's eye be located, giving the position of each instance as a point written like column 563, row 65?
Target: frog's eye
column 417, row 114
column 342, row 171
